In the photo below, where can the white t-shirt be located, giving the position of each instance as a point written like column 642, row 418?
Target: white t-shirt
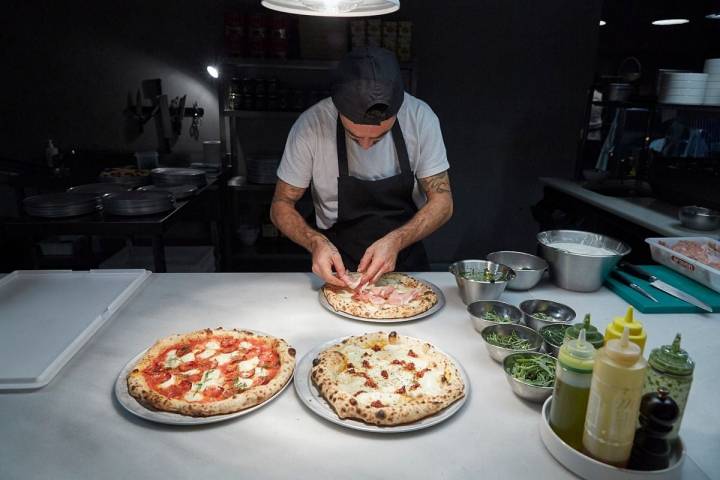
column 310, row 156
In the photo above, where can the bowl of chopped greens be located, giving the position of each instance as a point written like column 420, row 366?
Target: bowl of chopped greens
column 491, row 312
column 480, row 279
column 538, row 313
column 531, row 375
column 503, row 339
column 553, row 337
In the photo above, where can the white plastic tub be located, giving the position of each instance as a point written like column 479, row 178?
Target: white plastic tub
column 661, row 251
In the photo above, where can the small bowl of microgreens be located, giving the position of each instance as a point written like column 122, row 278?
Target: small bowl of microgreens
column 480, row 279
column 531, row 375
column 553, row 337
column 538, row 313
column 489, row 312
column 505, row 338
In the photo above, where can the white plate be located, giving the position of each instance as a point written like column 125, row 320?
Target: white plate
column 589, row 468
column 435, row 308
column 170, row 418
column 312, row 399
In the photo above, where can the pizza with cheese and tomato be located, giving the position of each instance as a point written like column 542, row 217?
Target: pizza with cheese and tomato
column 386, row 379
column 394, row 295
column 211, row 372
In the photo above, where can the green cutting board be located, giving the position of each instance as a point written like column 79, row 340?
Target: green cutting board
column 665, row 303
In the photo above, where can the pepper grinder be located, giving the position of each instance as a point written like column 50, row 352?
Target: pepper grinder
column 651, row 448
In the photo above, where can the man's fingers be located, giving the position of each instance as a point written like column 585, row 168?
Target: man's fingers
column 337, row 262
column 365, row 261
column 373, row 271
column 323, row 269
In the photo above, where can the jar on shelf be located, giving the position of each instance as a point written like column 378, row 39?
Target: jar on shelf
column 234, row 95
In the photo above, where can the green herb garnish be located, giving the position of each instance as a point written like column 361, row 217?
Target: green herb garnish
column 512, row 341
column 555, row 334
column 491, row 316
column 538, row 371
column 541, row 316
column 482, row 276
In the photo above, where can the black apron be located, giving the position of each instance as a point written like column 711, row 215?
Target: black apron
column 369, row 209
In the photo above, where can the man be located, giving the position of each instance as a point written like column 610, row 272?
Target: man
column 362, row 150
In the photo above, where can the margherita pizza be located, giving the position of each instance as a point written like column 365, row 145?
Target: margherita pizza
column 211, row 372
column 394, row 295
column 386, row 379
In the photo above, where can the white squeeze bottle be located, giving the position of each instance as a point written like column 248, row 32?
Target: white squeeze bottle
column 614, row 403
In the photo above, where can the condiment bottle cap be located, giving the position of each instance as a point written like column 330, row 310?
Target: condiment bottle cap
column 635, row 327
column 577, row 354
column 623, row 351
column 672, row 359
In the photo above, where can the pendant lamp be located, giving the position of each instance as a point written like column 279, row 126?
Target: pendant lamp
column 334, row 8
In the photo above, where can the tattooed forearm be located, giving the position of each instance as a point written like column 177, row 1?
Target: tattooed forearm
column 287, row 219
column 439, row 183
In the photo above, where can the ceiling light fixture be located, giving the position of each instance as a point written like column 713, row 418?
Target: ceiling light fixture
column 713, row 16
column 334, row 8
column 603, row 23
column 670, row 21
column 213, row 71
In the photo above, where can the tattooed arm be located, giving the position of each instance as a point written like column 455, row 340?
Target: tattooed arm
column 381, row 256
column 287, row 219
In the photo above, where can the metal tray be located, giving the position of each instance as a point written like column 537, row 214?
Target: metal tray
column 434, row 309
column 311, row 398
column 170, row 418
column 591, row 469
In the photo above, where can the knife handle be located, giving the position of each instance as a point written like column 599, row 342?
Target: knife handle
column 636, row 271
column 621, row 278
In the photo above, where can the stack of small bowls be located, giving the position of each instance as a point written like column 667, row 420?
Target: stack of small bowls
column 683, row 88
column 712, row 86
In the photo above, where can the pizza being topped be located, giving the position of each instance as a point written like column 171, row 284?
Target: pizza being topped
column 386, row 379
column 394, row 295
column 211, row 372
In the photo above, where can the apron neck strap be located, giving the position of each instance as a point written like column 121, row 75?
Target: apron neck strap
column 398, row 140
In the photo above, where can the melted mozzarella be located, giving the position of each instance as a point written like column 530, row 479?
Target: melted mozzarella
column 207, row 353
column 351, row 384
column 193, row 396
column 188, row 357
column 384, row 397
column 212, row 345
column 243, row 383
column 213, row 378
column 224, row 358
column 354, row 354
column 430, row 384
column 168, row 383
column 261, row 372
column 171, row 360
column 246, row 345
column 247, row 365
column 192, row 372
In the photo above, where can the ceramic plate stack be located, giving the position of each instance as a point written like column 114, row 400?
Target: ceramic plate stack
column 180, row 192
column 179, row 176
column 682, row 88
column 262, row 169
column 58, row 205
column 712, row 88
column 138, row 203
column 99, row 188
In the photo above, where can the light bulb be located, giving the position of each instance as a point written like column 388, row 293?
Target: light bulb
column 603, row 23
column 331, row 6
column 213, row 71
column 670, row 21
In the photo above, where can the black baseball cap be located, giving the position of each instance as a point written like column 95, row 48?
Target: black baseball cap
column 367, row 86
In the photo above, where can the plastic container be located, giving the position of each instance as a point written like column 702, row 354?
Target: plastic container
column 637, row 333
column 672, row 368
column 614, row 403
column 661, row 251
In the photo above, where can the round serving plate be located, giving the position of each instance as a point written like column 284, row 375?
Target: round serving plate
column 170, row 418
column 590, row 469
column 432, row 310
column 312, row 399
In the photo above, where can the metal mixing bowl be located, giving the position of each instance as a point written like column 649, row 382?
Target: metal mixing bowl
column 549, row 347
column 528, row 269
column 557, row 312
column 699, row 218
column 499, row 353
column 524, row 390
column 507, row 312
column 474, row 290
column 577, row 271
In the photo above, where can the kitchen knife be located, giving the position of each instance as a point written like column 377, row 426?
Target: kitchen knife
column 626, row 281
column 662, row 286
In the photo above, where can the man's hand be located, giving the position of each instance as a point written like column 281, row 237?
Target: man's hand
column 325, row 257
column 379, row 258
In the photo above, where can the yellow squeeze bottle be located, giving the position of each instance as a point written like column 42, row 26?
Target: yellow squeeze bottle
column 614, row 401
column 637, row 333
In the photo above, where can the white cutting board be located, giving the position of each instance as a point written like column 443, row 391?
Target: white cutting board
column 47, row 315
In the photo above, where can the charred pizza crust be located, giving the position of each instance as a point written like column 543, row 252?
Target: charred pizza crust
column 143, row 392
column 386, row 379
column 346, row 300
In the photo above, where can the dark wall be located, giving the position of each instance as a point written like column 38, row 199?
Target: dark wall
column 507, row 79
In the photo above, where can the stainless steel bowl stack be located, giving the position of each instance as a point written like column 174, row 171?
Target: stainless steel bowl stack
column 138, row 203
column 555, row 312
column 474, row 290
column 699, row 218
column 179, row 176
column 497, row 352
column 59, row 205
column 581, row 272
column 524, row 390
column 528, row 269
column 180, row 192
column 508, row 313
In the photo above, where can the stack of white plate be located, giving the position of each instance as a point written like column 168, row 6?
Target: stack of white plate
column 138, row 203
column 58, row 205
column 179, row 176
column 712, row 88
column 682, row 88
